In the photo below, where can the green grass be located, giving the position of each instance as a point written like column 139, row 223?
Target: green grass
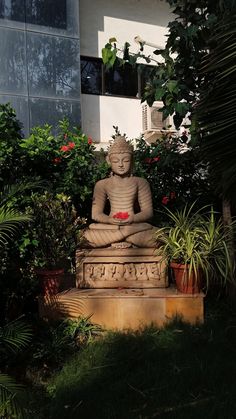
column 180, row 371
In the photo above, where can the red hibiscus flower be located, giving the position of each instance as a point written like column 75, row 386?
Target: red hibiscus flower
column 148, row 160
column 57, row 160
column 155, row 159
column 71, row 145
column 165, row 200
column 121, row 215
column 64, row 148
column 90, row 141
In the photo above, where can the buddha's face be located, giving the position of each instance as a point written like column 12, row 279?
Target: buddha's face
column 120, row 163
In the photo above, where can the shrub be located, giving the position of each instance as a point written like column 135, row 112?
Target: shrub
column 175, row 172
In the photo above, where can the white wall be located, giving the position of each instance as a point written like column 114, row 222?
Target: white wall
column 122, row 19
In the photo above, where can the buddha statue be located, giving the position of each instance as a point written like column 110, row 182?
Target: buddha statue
column 130, row 201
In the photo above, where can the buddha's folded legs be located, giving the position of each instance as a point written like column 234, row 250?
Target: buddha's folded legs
column 140, row 235
column 143, row 238
column 103, row 238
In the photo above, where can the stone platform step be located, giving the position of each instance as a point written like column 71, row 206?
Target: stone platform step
column 124, row 308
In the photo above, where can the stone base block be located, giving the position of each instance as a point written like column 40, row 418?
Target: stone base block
column 114, row 268
column 126, row 308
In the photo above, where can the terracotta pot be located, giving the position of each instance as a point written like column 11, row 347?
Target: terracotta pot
column 50, row 280
column 185, row 283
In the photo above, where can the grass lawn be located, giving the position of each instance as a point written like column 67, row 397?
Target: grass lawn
column 179, row 371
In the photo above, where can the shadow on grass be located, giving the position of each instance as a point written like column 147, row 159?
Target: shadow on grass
column 179, row 371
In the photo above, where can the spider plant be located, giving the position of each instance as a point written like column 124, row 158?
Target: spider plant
column 200, row 241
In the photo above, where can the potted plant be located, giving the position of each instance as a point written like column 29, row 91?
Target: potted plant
column 54, row 234
column 197, row 246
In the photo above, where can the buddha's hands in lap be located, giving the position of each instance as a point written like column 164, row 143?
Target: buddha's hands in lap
column 119, row 221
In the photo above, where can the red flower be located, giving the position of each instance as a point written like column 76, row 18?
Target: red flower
column 172, row 195
column 90, row 141
column 150, row 160
column 165, row 200
column 121, row 215
column 71, row 145
column 155, row 159
column 57, row 160
column 64, row 148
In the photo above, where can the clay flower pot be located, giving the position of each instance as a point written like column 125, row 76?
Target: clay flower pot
column 186, row 282
column 50, row 280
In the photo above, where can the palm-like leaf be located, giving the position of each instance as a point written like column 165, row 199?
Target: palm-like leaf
column 216, row 109
column 10, row 398
column 10, row 222
column 15, row 335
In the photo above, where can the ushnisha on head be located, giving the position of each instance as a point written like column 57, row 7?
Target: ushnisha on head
column 120, row 156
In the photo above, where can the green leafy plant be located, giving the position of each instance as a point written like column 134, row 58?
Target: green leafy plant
column 82, row 329
column 66, row 161
column 10, row 152
column 175, row 172
column 54, row 231
column 199, row 240
column 14, row 337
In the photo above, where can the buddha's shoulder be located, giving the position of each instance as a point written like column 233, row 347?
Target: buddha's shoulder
column 140, row 181
column 102, row 183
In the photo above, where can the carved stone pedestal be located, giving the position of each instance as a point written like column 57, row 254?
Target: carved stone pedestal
column 120, row 268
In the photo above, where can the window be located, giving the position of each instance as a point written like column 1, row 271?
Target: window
column 39, row 12
column 91, row 76
column 127, row 81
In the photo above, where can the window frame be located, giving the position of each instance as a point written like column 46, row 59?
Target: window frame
column 103, row 93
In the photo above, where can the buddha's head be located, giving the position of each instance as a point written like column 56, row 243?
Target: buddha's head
column 120, row 156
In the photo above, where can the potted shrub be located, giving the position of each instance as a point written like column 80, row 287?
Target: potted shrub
column 54, row 235
column 197, row 246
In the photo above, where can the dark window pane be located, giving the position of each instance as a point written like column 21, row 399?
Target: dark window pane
column 46, row 13
column 91, row 76
column 44, row 111
column 122, row 81
column 12, row 10
column 53, row 64
column 12, row 62
column 146, row 74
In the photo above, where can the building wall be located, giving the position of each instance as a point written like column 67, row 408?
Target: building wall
column 40, row 60
column 122, row 19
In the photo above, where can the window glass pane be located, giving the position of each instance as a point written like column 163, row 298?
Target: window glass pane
column 47, row 12
column 122, row 81
column 146, row 74
column 53, row 66
column 91, row 76
column 12, row 10
column 20, row 104
column 44, row 111
column 12, row 61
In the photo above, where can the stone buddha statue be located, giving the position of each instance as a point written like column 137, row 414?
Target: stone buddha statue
column 130, row 201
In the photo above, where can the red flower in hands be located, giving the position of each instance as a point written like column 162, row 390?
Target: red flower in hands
column 165, row 200
column 71, row 145
column 90, row 141
column 64, row 148
column 121, row 215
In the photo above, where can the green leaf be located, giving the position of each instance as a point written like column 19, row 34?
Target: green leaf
column 172, row 86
